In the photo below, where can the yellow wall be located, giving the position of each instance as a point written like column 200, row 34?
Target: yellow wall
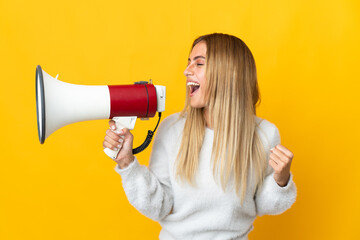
column 307, row 55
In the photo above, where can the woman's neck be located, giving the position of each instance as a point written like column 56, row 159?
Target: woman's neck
column 207, row 119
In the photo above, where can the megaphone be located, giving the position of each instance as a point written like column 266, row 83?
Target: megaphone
column 59, row 104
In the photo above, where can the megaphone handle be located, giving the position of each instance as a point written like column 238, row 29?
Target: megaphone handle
column 121, row 122
column 111, row 153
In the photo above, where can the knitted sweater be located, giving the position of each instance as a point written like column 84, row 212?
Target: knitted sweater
column 203, row 210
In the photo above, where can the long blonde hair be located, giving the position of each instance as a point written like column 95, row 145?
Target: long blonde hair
column 232, row 94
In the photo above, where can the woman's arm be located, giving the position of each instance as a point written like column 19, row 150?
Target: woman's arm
column 145, row 191
column 278, row 191
column 149, row 191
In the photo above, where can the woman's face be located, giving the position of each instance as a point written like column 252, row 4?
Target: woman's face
column 195, row 75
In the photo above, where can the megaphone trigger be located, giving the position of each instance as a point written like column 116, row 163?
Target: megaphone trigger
column 125, row 122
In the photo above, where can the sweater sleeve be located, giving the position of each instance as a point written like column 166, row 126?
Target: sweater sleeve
column 270, row 198
column 149, row 189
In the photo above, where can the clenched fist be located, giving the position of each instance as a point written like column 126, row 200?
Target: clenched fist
column 280, row 161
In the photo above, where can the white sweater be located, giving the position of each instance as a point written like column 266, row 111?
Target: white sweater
column 203, row 211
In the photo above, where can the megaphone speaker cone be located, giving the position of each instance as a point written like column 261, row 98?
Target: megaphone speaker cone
column 40, row 104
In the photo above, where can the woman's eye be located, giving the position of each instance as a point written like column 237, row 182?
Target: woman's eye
column 199, row 64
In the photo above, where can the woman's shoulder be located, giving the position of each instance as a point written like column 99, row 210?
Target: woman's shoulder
column 174, row 122
column 173, row 119
column 268, row 132
column 264, row 124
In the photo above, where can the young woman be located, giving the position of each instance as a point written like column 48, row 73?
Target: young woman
column 215, row 166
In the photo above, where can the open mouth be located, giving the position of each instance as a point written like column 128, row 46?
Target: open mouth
column 193, row 87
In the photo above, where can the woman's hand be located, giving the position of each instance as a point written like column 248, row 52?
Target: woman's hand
column 120, row 139
column 280, row 161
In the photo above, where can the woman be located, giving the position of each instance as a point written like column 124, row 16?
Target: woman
column 215, row 166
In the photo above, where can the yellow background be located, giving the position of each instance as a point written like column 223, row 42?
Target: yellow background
column 307, row 55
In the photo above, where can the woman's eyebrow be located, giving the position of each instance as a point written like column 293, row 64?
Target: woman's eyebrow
column 196, row 58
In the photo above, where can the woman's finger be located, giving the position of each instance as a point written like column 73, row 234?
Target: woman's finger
column 275, row 157
column 273, row 164
column 112, row 143
column 112, row 125
column 113, row 135
column 284, row 150
column 125, row 131
column 277, row 160
column 110, row 146
column 280, row 155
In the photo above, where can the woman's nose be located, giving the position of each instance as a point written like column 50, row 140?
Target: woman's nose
column 188, row 71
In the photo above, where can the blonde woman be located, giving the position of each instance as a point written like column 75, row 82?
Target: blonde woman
column 215, row 166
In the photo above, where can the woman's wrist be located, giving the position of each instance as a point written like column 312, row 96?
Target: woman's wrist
column 282, row 182
column 126, row 162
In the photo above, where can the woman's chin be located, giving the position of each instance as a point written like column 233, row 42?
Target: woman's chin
column 196, row 104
